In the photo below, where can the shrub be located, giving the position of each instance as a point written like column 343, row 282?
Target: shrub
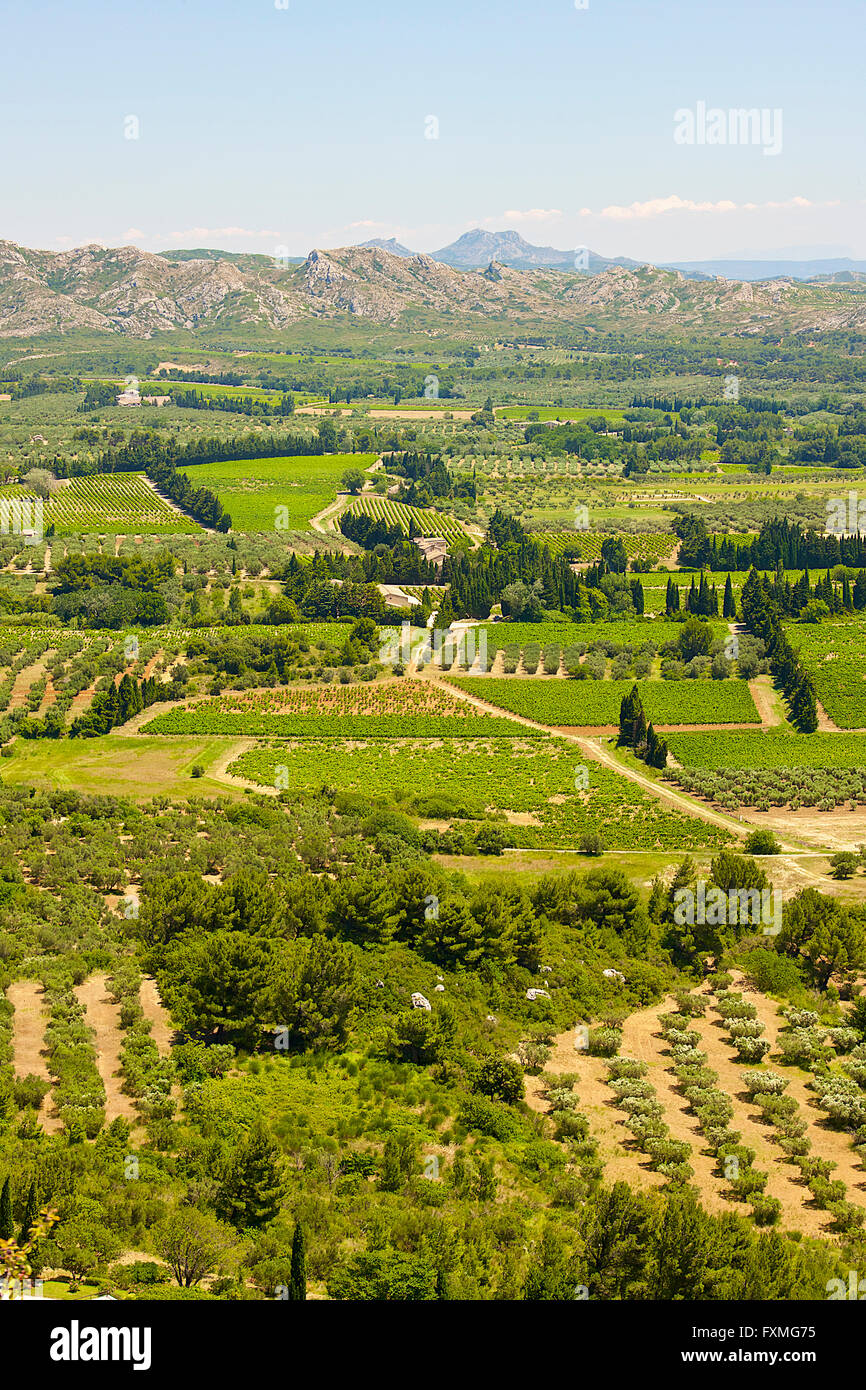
column 762, row 841
column 591, row 844
column 604, row 1042
column 626, row 1067
column 765, row 1083
column 745, row 1028
column 772, row 972
column 765, row 1210
column 490, row 1117
column 30, row 1091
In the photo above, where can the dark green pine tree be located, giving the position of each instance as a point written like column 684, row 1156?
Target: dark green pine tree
column 729, row 608
column 252, row 1188
column 298, row 1276
column 7, row 1227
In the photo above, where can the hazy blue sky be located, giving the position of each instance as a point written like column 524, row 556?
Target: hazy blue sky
column 262, row 126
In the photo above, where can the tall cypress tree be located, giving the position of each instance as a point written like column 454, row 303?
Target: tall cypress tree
column 31, row 1211
column 729, row 608
column 298, row 1276
column 7, row 1228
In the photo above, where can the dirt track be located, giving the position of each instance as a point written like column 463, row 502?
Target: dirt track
column 28, row 1030
column 161, row 1030
column 103, row 1016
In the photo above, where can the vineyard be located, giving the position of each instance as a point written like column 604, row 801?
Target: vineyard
column 535, row 787
column 644, row 546
column 425, row 522
column 625, row 632
column 388, row 710
column 834, row 653
column 770, row 748
column 591, row 704
column 119, row 502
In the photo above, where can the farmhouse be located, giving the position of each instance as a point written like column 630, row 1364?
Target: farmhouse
column 433, row 548
column 395, row 597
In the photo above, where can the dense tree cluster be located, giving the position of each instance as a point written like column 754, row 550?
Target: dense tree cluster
column 635, row 733
column 762, row 616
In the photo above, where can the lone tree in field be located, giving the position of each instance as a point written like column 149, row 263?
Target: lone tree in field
column 298, row 1276
column 353, row 480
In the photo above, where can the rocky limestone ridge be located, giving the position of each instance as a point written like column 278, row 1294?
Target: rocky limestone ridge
column 128, row 291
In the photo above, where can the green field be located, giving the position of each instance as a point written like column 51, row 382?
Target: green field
column 591, row 704
column 646, row 545
column 834, row 653
column 530, row 784
column 624, row 632
column 750, row 749
column 276, row 494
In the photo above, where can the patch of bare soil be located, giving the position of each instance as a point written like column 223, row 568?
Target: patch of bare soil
column 28, row 1031
column 161, row 1030
column 799, row 1212
column 23, row 681
column 827, row 1143
column 220, row 773
column 80, row 703
column 103, row 1016
column 642, row 1039
column 48, row 699
column 833, row 831
column 825, row 723
column 622, row 1160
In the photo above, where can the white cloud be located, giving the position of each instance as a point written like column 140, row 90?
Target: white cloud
column 658, row 207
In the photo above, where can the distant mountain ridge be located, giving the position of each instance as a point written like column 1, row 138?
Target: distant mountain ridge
column 392, row 245
column 770, row 270
column 477, row 248
column 125, row 290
